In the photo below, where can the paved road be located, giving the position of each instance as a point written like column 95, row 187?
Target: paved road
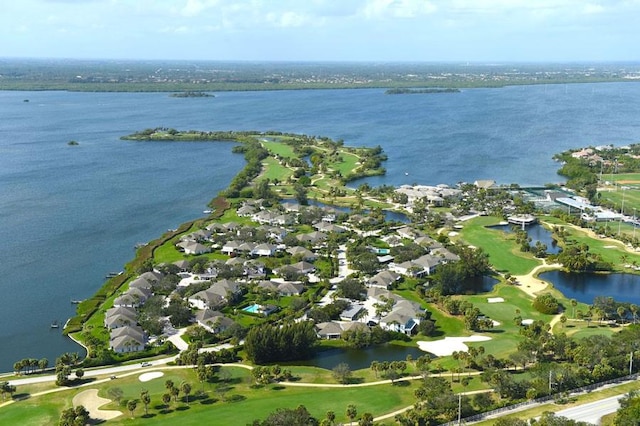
column 593, row 411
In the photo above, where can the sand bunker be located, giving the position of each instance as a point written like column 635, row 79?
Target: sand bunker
column 526, row 322
column 91, row 401
column 449, row 345
column 150, row 376
column 495, row 300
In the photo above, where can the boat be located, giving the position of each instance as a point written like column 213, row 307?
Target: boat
column 55, row 324
column 140, row 245
column 113, row 274
column 76, row 301
column 207, row 211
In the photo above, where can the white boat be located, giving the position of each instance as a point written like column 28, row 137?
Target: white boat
column 207, row 211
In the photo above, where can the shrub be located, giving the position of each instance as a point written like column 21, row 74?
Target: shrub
column 547, row 304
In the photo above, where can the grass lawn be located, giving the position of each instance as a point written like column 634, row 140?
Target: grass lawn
column 280, row 149
column 347, row 165
column 504, row 253
column 611, row 251
column 274, row 170
column 241, row 403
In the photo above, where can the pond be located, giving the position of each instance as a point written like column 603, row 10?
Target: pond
column 537, row 233
column 361, row 358
column 584, row 287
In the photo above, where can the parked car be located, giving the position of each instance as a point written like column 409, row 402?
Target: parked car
column 145, row 364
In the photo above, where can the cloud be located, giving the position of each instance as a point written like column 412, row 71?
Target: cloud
column 196, row 7
column 381, row 9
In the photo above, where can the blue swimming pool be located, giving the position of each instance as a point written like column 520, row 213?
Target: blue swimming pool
column 253, row 309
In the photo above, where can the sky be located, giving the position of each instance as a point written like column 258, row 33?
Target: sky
column 323, row 30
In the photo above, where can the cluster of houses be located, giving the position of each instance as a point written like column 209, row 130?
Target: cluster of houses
column 245, row 245
column 125, row 335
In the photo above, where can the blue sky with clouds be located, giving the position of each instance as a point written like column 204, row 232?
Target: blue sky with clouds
column 333, row 30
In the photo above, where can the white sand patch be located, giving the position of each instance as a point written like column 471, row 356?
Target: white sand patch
column 453, row 233
column 449, row 345
column 150, row 376
column 526, row 322
column 91, row 401
column 495, row 323
column 495, row 300
column 610, row 246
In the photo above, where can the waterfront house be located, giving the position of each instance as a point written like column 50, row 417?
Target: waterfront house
column 119, row 317
column 352, row 312
column 329, row 330
column 127, row 339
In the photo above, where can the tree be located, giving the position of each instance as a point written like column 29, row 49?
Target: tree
column 43, row 364
column 352, row 412
column 146, row 400
column 131, row 406
column 331, row 417
column 342, row 373
column 288, row 417
column 6, row 387
column 74, row 416
column 115, row 393
column 186, row 390
column 574, row 303
column 175, row 392
column 79, row 373
column 629, row 411
column 366, row 420
column 166, row 399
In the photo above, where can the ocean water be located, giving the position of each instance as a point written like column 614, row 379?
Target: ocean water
column 69, row 215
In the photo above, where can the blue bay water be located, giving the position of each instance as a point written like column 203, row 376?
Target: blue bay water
column 69, row 215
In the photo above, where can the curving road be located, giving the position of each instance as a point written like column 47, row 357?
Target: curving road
column 593, row 411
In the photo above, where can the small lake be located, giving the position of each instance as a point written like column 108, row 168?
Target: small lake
column 584, row 287
column 361, row 358
column 537, row 233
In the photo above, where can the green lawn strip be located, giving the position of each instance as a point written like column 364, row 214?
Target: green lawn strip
column 504, row 254
column 280, row 149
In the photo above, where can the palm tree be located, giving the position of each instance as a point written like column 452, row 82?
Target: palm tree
column 166, row 399
column 366, row 420
column 186, row 389
column 331, row 417
column 146, row 400
column 574, row 303
column 634, row 311
column 621, row 313
column 131, row 406
column 175, row 392
column 352, row 412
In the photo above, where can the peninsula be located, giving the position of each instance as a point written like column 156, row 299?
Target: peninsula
column 263, row 280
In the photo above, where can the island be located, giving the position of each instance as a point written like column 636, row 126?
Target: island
column 228, row 310
column 191, row 94
column 409, row 91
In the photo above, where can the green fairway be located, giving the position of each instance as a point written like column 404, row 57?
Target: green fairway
column 504, row 253
column 240, row 403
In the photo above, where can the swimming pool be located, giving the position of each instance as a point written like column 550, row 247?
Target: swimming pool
column 253, row 309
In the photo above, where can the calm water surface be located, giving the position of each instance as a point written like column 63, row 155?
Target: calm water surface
column 586, row 287
column 69, row 215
